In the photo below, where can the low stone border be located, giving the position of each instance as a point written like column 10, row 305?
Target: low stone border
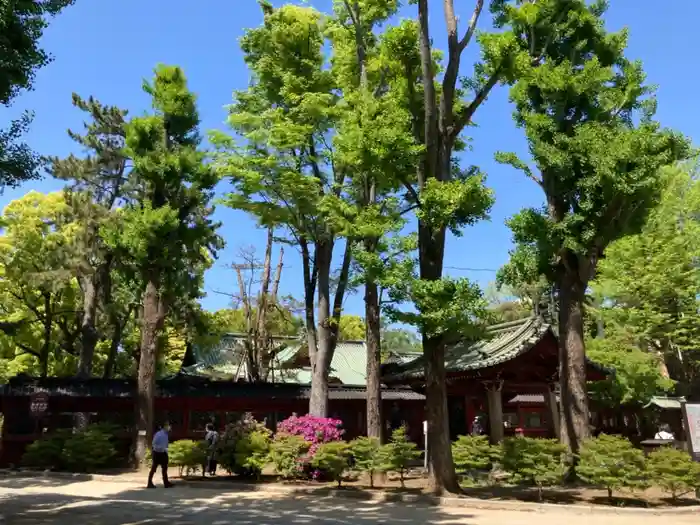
column 376, row 496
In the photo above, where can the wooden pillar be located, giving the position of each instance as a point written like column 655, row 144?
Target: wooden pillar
column 550, row 399
column 495, row 401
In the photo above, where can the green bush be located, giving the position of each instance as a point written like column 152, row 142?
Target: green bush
column 534, row 461
column 367, row 455
column 332, row 458
column 287, row 453
column 251, row 453
column 187, row 455
column 398, row 454
column 46, row 452
column 473, row 454
column 674, row 471
column 230, row 451
column 612, row 463
column 87, row 451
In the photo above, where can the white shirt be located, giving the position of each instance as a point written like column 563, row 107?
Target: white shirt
column 662, row 434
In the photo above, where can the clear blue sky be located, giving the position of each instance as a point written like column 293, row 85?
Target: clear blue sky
column 106, row 47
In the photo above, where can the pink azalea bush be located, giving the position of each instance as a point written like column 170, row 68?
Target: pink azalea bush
column 315, row 431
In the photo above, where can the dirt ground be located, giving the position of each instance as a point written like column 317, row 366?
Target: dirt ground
column 653, row 497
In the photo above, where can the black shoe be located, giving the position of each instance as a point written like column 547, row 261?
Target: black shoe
column 150, row 486
column 168, row 485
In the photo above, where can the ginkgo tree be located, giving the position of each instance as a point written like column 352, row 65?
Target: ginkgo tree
column 597, row 155
column 165, row 233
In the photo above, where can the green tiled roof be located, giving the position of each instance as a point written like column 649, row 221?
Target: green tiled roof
column 503, row 342
column 226, row 361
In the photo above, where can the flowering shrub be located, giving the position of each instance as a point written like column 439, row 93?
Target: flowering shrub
column 247, row 435
column 315, row 431
column 286, row 455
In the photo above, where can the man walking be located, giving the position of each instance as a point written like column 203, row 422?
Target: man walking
column 159, row 452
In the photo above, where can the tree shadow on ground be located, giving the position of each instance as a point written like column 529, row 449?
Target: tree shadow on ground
column 560, row 496
column 186, row 506
column 16, row 481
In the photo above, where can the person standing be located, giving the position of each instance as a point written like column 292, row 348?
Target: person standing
column 159, row 453
column 211, row 439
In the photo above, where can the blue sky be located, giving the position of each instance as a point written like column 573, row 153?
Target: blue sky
column 105, row 48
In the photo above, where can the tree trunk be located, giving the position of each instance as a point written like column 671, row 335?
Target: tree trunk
column 151, row 324
column 88, row 330
column 116, row 341
column 574, row 425
column 321, row 361
column 46, row 346
column 442, row 473
column 374, row 350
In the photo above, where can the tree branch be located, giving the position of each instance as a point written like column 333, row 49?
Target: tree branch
column 472, row 25
column 464, row 117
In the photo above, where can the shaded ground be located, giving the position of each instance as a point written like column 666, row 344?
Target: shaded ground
column 105, row 503
column 415, row 484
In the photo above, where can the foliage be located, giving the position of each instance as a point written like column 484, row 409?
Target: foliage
column 189, row 456
column 22, row 24
column 332, row 458
column 611, row 462
column 539, row 462
column 46, row 452
column 251, row 453
column 87, row 450
column 240, row 432
column 673, row 470
column 472, row 454
column 367, row 456
column 287, row 455
column 647, row 283
column 637, row 375
column 399, row 453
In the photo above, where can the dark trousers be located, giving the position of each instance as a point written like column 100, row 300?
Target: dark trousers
column 210, row 465
column 160, row 459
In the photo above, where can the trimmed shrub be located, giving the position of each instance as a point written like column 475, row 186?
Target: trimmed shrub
column 187, row 455
column 46, row 452
column 87, row 451
column 367, row 456
column 287, row 454
column 612, row 463
column 332, row 458
column 473, row 454
column 534, row 461
column 674, row 471
column 399, row 453
column 251, row 453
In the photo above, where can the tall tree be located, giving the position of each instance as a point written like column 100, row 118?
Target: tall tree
column 589, row 124
column 22, row 23
column 284, row 173
column 166, row 230
column 446, row 196
column 375, row 147
column 97, row 184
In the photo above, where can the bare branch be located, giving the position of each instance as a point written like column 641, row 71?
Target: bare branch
column 472, row 25
column 464, row 117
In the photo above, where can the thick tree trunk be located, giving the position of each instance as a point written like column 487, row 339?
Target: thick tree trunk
column 88, row 329
column 442, row 473
column 574, row 425
column 374, row 350
column 321, row 361
column 151, row 324
column 46, row 346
